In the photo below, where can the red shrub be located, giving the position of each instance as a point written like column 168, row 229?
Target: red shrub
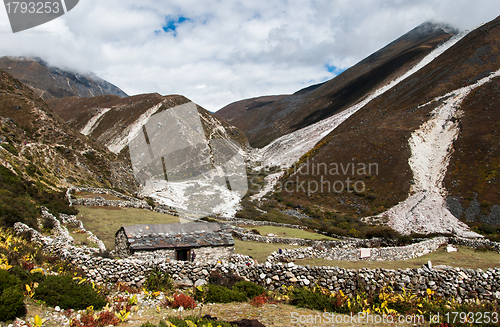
column 182, row 300
column 84, row 321
column 259, row 301
column 105, row 318
column 28, row 266
column 126, row 288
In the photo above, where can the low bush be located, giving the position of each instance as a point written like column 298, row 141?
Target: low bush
column 11, row 297
column 105, row 318
column 488, row 229
column 12, row 303
column 63, row 291
column 260, row 300
column 220, row 294
column 250, row 289
column 158, row 280
column 305, row 298
column 180, row 300
column 8, row 281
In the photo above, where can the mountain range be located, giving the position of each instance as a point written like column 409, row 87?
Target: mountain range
column 407, row 138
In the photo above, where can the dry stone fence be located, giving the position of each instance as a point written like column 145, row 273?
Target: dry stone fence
column 447, row 282
column 125, row 202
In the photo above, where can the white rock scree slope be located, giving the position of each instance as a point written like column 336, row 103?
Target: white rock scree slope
column 431, row 149
column 288, row 149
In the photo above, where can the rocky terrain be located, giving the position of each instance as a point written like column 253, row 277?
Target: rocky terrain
column 118, row 124
column 388, row 141
column 38, row 145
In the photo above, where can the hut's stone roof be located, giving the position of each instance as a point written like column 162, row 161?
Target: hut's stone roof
column 173, row 236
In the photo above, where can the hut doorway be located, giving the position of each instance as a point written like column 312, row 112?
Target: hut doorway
column 182, row 255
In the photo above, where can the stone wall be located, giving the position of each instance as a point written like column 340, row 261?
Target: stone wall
column 448, row 282
column 203, row 255
column 237, row 221
column 62, row 232
column 475, row 243
column 365, row 254
column 213, row 254
column 122, row 248
column 126, row 202
column 350, row 249
column 295, row 213
column 453, row 282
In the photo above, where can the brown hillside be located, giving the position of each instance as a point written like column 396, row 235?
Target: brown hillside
column 78, row 105
column 236, row 109
column 475, row 165
column 379, row 133
column 126, row 111
column 38, row 144
column 265, row 123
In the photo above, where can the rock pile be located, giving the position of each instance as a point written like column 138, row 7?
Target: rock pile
column 295, row 213
column 126, row 202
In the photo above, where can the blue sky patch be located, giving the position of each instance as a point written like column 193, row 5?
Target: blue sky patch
column 172, row 24
column 333, row 69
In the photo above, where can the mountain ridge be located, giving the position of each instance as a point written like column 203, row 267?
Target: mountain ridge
column 51, row 82
column 379, row 133
column 291, row 113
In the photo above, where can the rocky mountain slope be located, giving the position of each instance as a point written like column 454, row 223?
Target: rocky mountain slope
column 263, row 122
column 51, row 82
column 37, row 145
column 417, row 153
column 194, row 174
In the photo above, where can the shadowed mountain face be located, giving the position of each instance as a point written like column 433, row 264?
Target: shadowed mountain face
column 51, row 82
column 274, row 117
column 400, row 132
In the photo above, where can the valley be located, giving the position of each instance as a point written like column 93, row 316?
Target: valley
column 376, row 191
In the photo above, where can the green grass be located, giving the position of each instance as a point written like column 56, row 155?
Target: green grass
column 80, row 238
column 290, row 233
column 259, row 251
column 464, row 258
column 104, row 222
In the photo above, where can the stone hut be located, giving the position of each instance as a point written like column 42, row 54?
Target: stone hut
column 209, row 242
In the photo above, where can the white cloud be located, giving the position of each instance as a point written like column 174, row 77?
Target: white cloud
column 228, row 50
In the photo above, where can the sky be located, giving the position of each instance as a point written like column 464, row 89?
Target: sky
column 218, row 52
